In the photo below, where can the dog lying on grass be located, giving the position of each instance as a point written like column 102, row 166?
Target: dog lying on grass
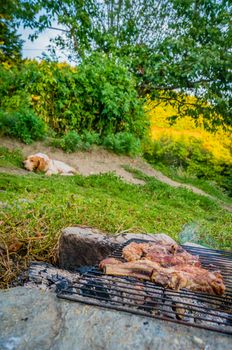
column 41, row 162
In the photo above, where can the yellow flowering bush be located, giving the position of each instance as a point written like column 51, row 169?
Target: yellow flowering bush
column 186, row 143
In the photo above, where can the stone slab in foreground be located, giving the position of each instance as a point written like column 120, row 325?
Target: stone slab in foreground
column 33, row 319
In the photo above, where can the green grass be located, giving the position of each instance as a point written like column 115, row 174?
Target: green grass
column 35, row 208
column 9, row 158
column 209, row 187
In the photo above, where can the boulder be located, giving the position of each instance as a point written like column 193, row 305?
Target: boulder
column 84, row 245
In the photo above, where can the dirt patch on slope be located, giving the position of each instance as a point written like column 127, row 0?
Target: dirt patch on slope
column 98, row 161
column 13, row 171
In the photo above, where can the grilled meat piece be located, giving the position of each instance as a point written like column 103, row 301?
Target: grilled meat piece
column 135, row 251
column 176, row 277
column 139, row 269
column 164, row 254
column 108, row 261
column 193, row 278
column 166, row 264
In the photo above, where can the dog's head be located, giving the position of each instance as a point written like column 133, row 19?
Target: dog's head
column 38, row 161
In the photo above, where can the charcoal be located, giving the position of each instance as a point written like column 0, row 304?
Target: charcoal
column 94, row 289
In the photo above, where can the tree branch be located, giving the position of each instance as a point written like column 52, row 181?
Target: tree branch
column 190, row 84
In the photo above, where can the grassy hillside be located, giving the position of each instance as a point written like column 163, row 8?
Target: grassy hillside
column 34, row 209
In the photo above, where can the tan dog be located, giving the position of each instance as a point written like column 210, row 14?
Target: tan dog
column 42, row 162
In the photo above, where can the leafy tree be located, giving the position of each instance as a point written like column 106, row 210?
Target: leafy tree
column 10, row 42
column 108, row 25
column 174, row 47
column 197, row 59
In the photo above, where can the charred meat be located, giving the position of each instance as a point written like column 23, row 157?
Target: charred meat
column 167, row 265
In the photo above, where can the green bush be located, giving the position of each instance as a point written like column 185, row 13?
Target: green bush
column 179, row 153
column 122, row 142
column 72, row 141
column 108, row 97
column 17, row 117
column 89, row 138
column 192, row 157
column 22, row 124
column 99, row 95
column 225, row 180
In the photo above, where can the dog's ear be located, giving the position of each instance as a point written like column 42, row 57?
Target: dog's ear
column 41, row 165
column 34, row 161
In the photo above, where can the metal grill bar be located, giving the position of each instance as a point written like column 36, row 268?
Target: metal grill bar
column 185, row 293
column 134, row 295
column 159, row 290
column 148, row 299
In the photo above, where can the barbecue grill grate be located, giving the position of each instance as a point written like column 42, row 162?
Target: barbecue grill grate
column 148, row 299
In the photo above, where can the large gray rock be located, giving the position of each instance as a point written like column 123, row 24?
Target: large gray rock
column 33, row 319
column 83, row 245
column 154, row 237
